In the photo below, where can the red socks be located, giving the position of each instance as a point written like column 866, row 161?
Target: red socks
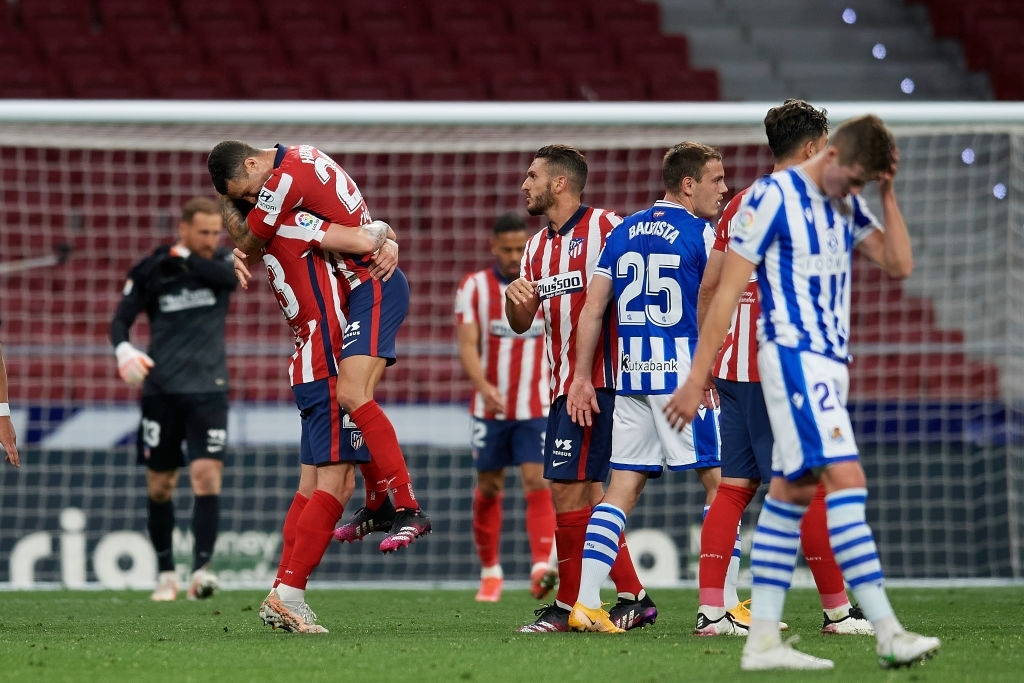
column 540, row 524
column 288, row 532
column 487, row 527
column 380, row 437
column 314, row 531
column 818, row 553
column 570, row 535
column 718, row 538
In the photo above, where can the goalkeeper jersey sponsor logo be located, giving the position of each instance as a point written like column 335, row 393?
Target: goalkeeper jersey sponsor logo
column 560, row 284
column 187, row 299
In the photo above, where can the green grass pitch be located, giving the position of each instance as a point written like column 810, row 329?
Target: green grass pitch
column 443, row 635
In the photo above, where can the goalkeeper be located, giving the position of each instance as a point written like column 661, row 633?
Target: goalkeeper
column 184, row 290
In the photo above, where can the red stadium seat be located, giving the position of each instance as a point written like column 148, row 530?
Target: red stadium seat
column 97, row 82
column 366, row 83
column 528, row 86
column 118, row 16
column 547, row 18
column 290, row 19
column 282, row 83
column 151, row 45
column 691, row 85
column 608, row 85
column 32, row 81
column 37, row 12
column 325, row 52
column 494, row 52
column 463, row 84
column 573, row 52
column 193, row 83
column 243, row 15
column 627, row 16
column 458, row 18
column 63, row 41
column 651, row 53
column 386, row 21
column 414, row 54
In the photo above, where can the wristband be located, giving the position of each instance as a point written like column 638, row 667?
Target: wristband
column 5, row 409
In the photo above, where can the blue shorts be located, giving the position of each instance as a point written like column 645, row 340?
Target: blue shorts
column 500, row 443
column 374, row 313
column 575, row 453
column 328, row 435
column 746, row 431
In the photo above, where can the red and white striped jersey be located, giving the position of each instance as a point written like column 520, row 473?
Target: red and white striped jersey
column 737, row 361
column 305, row 177
column 516, row 364
column 561, row 264
column 311, row 296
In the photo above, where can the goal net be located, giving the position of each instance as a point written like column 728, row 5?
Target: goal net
column 89, row 188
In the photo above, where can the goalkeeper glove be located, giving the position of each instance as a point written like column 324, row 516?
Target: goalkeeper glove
column 133, row 365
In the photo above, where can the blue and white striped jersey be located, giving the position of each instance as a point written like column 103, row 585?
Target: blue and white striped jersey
column 802, row 243
column 655, row 260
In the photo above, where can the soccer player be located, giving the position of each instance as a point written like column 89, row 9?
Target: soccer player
column 301, row 274
column 184, row 290
column 509, row 407
column 275, row 181
column 8, row 439
column 649, row 272
column 799, row 228
column 554, row 274
column 796, row 132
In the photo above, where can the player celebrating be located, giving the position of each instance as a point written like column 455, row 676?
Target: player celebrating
column 650, row 268
column 554, row 273
column 510, row 404
column 799, row 227
column 796, row 132
column 184, row 290
column 276, row 181
column 302, row 277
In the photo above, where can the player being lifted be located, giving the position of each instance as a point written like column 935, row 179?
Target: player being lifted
column 273, row 182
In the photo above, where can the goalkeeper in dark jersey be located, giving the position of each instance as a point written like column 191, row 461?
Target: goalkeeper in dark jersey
column 184, row 290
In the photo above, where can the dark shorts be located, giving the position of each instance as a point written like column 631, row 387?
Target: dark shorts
column 328, row 435
column 746, row 431
column 198, row 420
column 575, row 453
column 500, row 443
column 374, row 313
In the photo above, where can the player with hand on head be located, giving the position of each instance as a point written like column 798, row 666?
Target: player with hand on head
column 299, row 267
column 798, row 227
column 649, row 273
column 554, row 274
column 374, row 300
column 511, row 381
column 8, row 439
column 796, row 131
column 184, row 289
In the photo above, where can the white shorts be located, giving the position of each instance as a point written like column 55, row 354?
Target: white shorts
column 643, row 440
column 806, row 398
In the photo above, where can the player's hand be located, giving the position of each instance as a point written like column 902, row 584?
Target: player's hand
column 133, row 365
column 384, row 261
column 682, row 406
column 378, row 231
column 520, row 291
column 9, row 440
column 887, row 178
column 710, row 395
column 242, row 261
column 494, row 402
column 581, row 402
column 180, row 251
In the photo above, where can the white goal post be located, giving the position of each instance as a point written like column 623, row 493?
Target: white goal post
column 937, row 378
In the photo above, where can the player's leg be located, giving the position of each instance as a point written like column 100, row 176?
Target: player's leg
column 839, row 616
column 377, row 512
column 161, row 431
column 376, row 310
column 334, row 460
column 528, row 452
column 206, row 434
column 857, row 555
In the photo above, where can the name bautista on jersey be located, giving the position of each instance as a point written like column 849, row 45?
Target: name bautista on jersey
column 657, row 228
column 563, row 283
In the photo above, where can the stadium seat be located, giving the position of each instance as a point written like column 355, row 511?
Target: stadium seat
column 528, row 86
column 385, row 20
column 627, row 16
column 461, row 84
column 193, row 83
column 458, row 18
column 608, row 85
column 107, row 82
column 547, row 18
column 494, row 52
column 32, row 81
column 327, row 51
column 366, row 83
column 118, row 16
column 414, row 54
column 648, row 54
column 242, row 15
column 282, row 83
column 577, row 51
column 690, row 85
column 292, row 19
column 35, row 13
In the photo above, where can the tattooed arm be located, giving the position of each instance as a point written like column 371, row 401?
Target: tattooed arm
column 234, row 222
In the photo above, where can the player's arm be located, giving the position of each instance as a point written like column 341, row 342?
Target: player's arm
column 709, row 283
column 132, row 364
column 521, row 304
column 360, row 239
column 683, row 404
column 890, row 248
column 469, row 356
column 218, row 272
column 237, row 226
column 582, row 399
column 8, row 439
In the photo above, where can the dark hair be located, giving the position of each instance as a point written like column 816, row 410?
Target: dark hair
column 226, row 162
column 865, row 141
column 567, row 161
column 791, row 124
column 686, row 160
column 198, row 205
column 509, row 222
